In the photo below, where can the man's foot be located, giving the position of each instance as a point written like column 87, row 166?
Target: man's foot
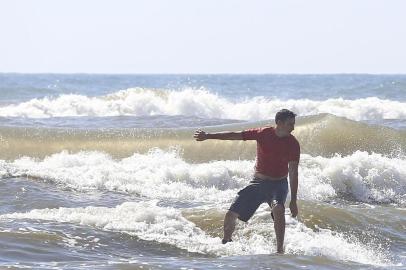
column 224, row 241
column 280, row 252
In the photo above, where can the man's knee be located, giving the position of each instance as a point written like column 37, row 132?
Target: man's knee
column 278, row 210
column 231, row 215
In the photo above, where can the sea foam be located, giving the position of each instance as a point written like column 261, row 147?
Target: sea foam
column 199, row 103
column 360, row 177
column 150, row 222
column 156, row 175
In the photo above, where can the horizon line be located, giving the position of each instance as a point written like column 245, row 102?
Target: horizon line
column 197, row 74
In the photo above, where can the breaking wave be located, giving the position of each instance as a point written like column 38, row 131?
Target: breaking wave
column 360, row 177
column 200, row 103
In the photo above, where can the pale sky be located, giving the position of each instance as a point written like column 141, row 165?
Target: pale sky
column 203, row 36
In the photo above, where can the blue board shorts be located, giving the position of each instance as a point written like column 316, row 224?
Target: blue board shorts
column 256, row 193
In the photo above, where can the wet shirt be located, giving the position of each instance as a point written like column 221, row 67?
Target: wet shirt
column 273, row 152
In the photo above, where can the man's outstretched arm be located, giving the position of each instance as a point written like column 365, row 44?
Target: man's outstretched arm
column 200, row 135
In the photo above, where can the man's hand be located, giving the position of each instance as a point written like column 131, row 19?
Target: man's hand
column 200, row 135
column 293, row 208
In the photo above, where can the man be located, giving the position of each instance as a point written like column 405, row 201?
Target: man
column 278, row 154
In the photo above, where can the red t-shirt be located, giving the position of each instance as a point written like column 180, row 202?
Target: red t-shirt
column 273, row 152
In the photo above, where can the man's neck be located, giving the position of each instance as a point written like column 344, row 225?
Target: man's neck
column 280, row 133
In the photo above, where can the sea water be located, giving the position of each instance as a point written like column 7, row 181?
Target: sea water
column 102, row 171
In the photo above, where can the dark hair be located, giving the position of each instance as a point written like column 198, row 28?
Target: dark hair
column 284, row 114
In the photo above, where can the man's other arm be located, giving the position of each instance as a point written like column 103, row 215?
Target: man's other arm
column 293, row 180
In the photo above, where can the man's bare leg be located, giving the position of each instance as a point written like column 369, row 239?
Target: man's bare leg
column 229, row 225
column 279, row 225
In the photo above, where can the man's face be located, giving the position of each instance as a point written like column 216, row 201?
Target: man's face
column 288, row 125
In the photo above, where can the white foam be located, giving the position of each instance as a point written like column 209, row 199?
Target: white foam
column 303, row 240
column 200, row 103
column 150, row 222
column 362, row 177
column 156, row 175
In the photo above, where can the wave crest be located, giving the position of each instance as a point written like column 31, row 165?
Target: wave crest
column 199, row 103
column 360, row 177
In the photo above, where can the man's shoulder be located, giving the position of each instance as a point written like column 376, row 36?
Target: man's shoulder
column 264, row 129
column 293, row 140
column 269, row 129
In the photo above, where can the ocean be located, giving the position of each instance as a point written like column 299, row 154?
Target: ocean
column 102, row 171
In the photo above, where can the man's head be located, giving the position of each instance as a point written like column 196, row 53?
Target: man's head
column 285, row 121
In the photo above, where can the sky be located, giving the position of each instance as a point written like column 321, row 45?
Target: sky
column 203, row 36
